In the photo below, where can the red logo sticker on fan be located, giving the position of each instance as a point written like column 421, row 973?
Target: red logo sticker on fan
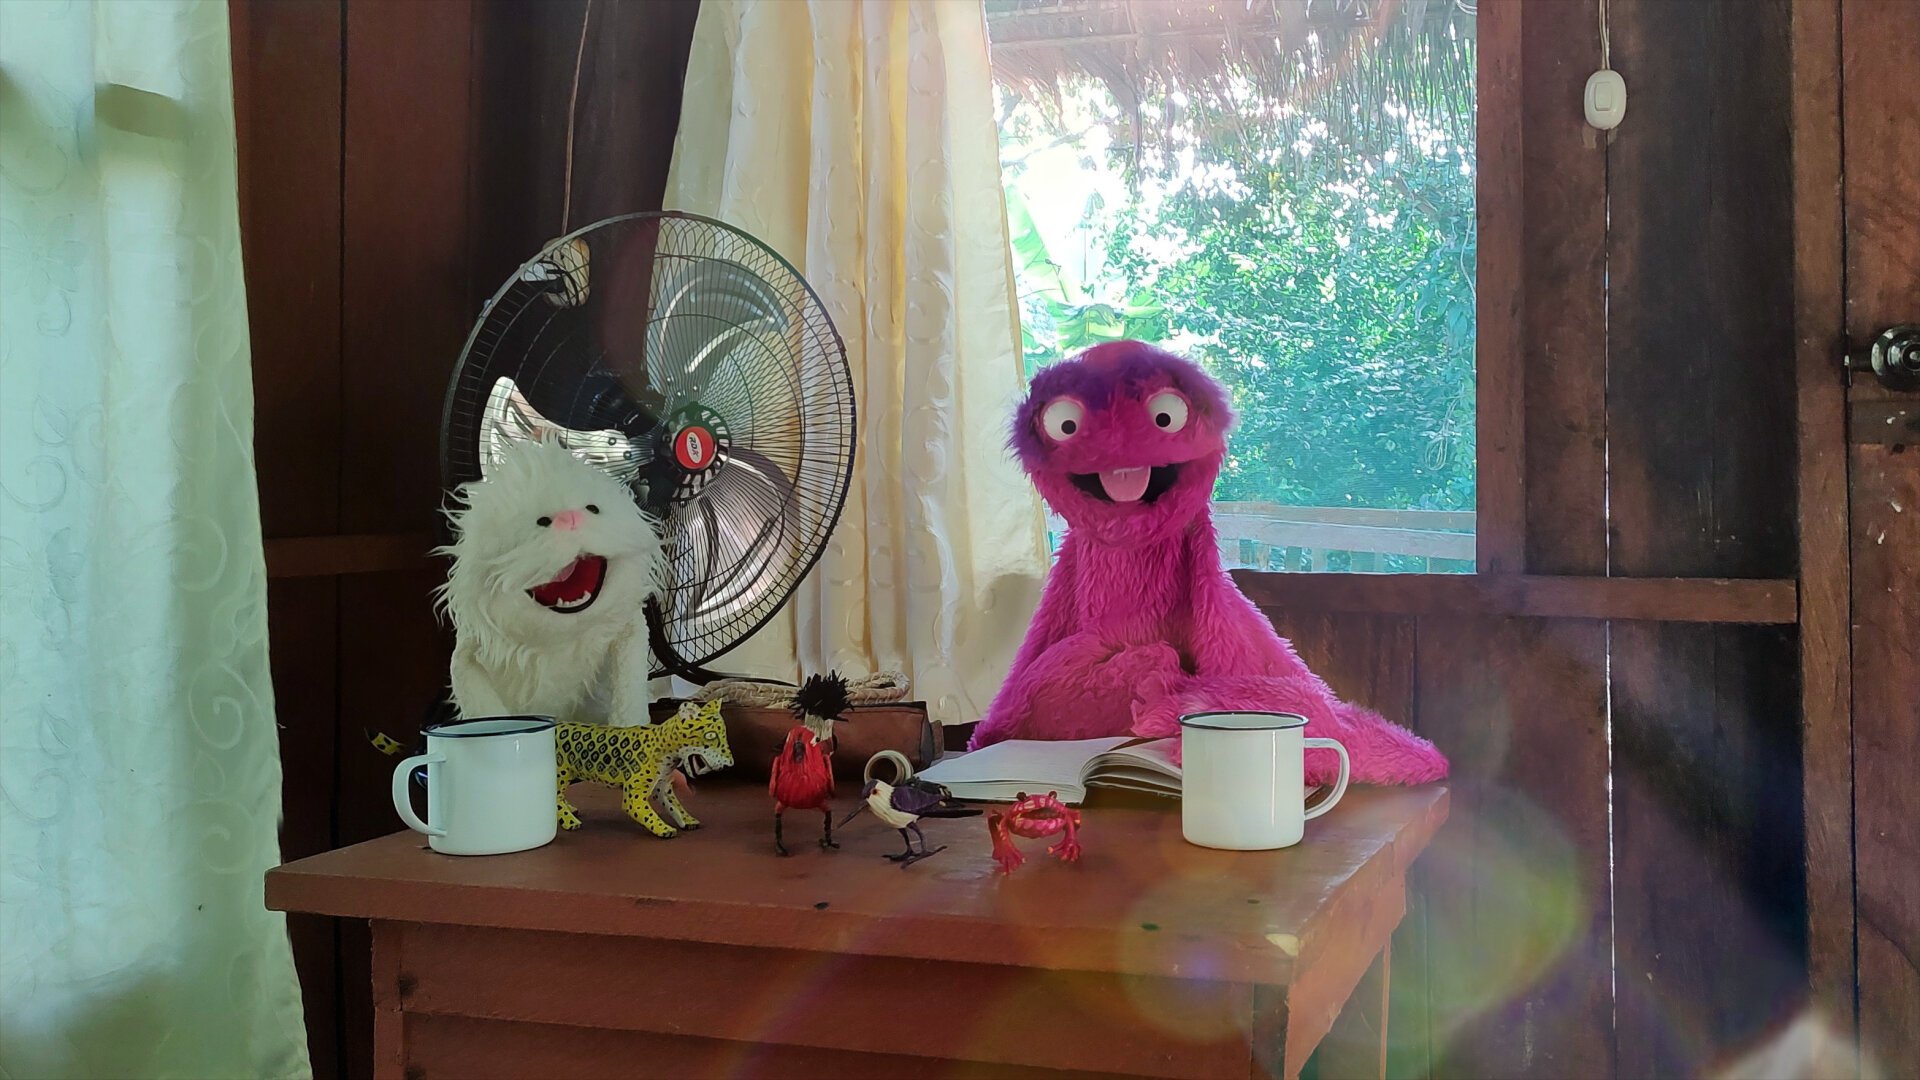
column 693, row 447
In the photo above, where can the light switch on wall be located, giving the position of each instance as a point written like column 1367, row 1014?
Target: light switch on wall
column 1606, row 99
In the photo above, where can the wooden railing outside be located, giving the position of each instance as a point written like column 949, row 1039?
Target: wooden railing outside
column 1269, row 536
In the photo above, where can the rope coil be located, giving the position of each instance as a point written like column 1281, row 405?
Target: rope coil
column 880, row 688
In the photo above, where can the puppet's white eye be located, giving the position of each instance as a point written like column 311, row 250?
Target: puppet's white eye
column 1168, row 409
column 1063, row 419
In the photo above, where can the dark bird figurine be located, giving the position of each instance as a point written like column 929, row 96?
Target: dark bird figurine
column 903, row 805
column 802, row 776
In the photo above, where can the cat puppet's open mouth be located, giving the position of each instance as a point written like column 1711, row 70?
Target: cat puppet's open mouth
column 1139, row 484
column 575, row 588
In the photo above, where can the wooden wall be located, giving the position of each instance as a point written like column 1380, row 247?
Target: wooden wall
column 1621, row 889
column 398, row 159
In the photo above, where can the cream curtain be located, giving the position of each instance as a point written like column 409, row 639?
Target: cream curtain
column 139, row 768
column 857, row 137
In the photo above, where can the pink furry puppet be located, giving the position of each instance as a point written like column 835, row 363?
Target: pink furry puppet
column 1139, row 623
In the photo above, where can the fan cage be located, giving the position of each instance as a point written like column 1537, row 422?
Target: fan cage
column 727, row 326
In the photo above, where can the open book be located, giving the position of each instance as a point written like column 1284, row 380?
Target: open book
column 999, row 773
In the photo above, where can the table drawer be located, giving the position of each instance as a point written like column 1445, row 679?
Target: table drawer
column 471, row 1049
column 792, row 999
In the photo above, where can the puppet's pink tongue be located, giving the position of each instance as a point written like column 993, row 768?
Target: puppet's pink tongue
column 1125, row 485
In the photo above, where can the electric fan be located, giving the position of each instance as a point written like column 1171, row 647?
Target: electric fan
column 696, row 365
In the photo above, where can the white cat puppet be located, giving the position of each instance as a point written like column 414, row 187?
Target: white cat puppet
column 552, row 562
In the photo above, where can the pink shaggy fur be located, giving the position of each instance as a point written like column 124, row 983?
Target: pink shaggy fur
column 1139, row 623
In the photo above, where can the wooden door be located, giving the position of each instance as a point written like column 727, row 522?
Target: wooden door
column 1857, row 174
column 1880, row 107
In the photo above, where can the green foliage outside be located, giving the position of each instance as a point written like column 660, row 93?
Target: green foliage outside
column 1317, row 256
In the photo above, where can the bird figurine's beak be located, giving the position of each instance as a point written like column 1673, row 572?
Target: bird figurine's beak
column 845, row 821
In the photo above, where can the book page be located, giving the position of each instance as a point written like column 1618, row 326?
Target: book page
column 1003, row 769
column 1154, row 756
column 1142, row 766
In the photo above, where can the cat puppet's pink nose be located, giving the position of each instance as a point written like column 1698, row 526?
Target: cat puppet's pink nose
column 568, row 520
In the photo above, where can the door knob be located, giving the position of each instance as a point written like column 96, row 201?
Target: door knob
column 1893, row 357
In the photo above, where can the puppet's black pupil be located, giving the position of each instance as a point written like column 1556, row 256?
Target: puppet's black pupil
column 1163, row 420
column 1068, row 427
column 544, row 522
column 592, row 509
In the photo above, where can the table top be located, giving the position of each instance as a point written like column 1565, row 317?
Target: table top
column 1140, row 901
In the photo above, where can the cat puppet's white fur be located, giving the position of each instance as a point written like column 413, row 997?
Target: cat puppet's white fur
column 514, row 655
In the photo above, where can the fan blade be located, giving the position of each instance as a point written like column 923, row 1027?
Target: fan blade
column 704, row 309
column 737, row 543
column 508, row 415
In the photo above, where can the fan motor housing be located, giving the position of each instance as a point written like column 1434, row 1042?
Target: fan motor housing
column 700, row 443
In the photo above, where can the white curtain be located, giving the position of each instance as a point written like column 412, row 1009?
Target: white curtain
column 857, row 138
column 139, row 768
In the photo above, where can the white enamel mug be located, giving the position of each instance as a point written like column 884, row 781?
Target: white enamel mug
column 1242, row 779
column 490, row 786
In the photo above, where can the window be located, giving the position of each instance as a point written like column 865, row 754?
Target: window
column 1285, row 193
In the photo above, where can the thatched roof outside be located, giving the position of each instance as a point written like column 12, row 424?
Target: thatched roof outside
column 1342, row 59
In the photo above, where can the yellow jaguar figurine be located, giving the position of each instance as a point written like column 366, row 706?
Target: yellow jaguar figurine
column 640, row 761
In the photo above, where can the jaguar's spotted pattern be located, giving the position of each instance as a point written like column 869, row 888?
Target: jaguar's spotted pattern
column 640, row 761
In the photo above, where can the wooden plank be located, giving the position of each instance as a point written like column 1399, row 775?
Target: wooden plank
column 1886, row 729
column 1565, row 303
column 524, row 56
column 1147, row 902
column 1882, row 176
column 1710, row 920
column 1329, row 537
column 1341, row 515
column 1320, row 992
column 1357, row 1044
column 392, row 982
column 1709, row 873
column 1367, row 659
column 1700, row 385
column 405, row 307
column 1882, row 183
column 1655, row 599
column 287, row 64
column 405, row 311
column 1754, row 523
column 484, row 1049
column 1874, row 422
column 357, row 553
column 1409, row 1033
column 1517, row 900
column 628, row 112
column 1500, row 356
column 287, row 78
column 300, row 624
column 1662, row 295
column 1826, row 740
column 393, row 663
column 1022, row 1017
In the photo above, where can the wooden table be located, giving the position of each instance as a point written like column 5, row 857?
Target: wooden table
column 612, row 953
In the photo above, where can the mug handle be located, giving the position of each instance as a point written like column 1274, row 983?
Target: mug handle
column 1339, row 786
column 403, row 798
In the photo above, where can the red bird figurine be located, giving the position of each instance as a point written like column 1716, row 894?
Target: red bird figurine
column 803, row 770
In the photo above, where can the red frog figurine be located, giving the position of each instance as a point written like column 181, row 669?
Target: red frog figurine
column 803, row 770
column 1035, row 817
